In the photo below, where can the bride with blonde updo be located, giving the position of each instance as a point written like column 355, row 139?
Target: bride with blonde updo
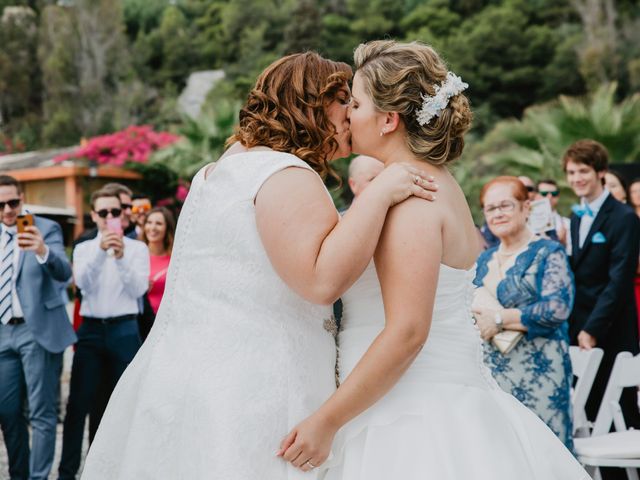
column 415, row 401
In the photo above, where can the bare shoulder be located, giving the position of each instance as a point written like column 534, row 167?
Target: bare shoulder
column 294, row 193
column 416, row 216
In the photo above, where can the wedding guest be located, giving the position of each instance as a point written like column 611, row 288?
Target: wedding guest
column 124, row 194
column 615, row 183
column 141, row 204
column 634, row 202
column 158, row 234
column 34, row 332
column 606, row 239
column 362, row 170
column 112, row 271
column 530, row 185
column 525, row 285
column 548, row 188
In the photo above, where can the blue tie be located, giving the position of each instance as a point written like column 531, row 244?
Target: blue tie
column 6, row 277
column 582, row 210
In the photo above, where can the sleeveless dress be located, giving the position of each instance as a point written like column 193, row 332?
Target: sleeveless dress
column 235, row 359
column 446, row 418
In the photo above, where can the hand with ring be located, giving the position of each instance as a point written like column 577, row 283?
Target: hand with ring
column 307, row 446
column 399, row 181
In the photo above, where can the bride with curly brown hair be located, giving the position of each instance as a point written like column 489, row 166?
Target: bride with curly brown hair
column 242, row 348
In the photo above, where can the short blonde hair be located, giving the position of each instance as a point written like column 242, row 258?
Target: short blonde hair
column 395, row 76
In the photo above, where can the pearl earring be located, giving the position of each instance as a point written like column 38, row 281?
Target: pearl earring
column 382, row 132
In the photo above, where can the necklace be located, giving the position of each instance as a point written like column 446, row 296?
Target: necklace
column 508, row 255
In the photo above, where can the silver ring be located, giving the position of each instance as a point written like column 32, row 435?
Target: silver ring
column 416, row 180
column 308, row 462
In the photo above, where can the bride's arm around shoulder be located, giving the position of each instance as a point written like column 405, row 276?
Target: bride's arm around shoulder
column 408, row 260
column 316, row 255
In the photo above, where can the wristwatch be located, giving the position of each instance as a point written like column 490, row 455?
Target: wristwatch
column 499, row 321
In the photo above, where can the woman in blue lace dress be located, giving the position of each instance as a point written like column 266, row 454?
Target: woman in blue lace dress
column 525, row 285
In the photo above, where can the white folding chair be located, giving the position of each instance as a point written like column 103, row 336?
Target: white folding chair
column 585, row 365
column 622, row 447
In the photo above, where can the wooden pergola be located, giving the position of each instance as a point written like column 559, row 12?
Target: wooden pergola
column 66, row 185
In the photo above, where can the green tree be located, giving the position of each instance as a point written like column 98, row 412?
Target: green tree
column 504, row 58
column 203, row 140
column 85, row 68
column 20, row 79
column 534, row 145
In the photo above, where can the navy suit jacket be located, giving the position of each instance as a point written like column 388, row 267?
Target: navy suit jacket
column 39, row 290
column 604, row 272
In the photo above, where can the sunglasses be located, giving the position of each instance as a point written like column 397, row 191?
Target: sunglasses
column 531, row 189
column 553, row 193
column 115, row 212
column 126, row 206
column 140, row 208
column 13, row 203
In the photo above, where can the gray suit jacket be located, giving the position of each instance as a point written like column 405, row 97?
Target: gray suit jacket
column 39, row 290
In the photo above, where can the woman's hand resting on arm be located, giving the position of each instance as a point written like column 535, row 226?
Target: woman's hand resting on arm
column 314, row 254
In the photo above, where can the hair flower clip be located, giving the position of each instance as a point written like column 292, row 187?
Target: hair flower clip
column 432, row 106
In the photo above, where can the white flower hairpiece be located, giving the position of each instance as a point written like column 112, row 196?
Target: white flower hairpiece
column 432, row 106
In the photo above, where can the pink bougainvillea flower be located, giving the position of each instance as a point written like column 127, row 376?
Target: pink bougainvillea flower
column 135, row 143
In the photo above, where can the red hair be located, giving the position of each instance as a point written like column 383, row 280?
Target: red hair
column 517, row 188
column 286, row 110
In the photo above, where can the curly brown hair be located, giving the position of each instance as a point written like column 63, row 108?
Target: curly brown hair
column 286, row 109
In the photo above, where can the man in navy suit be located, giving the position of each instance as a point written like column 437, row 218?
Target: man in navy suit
column 605, row 236
column 34, row 331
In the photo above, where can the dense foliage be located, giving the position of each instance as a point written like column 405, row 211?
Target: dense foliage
column 78, row 68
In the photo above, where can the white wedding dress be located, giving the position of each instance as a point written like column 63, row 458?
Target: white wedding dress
column 446, row 418
column 235, row 359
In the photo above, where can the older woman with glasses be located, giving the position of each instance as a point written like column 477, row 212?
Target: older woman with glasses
column 524, row 296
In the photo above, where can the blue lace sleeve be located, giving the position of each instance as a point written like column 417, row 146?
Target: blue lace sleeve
column 557, row 292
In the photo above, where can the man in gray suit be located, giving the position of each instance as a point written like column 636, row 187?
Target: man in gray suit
column 34, row 331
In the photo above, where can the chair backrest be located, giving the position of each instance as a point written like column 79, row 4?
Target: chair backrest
column 585, row 365
column 625, row 373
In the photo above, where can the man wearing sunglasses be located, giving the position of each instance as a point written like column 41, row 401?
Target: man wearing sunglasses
column 548, row 189
column 112, row 272
column 34, row 331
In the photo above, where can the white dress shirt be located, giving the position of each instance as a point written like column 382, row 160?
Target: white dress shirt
column 16, row 308
column 111, row 287
column 587, row 220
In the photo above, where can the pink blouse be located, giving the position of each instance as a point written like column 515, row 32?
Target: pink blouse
column 158, row 279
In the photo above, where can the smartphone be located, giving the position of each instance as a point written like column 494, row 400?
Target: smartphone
column 115, row 225
column 24, row 221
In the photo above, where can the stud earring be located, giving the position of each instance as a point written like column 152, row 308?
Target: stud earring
column 382, row 132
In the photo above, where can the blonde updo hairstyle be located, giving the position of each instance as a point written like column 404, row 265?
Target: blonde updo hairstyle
column 395, row 75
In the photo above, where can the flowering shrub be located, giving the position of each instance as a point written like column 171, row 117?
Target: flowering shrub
column 133, row 144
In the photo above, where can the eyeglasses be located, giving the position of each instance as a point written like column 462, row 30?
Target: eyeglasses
column 13, row 203
column 505, row 206
column 140, row 208
column 553, row 193
column 115, row 212
column 531, row 189
column 126, row 206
